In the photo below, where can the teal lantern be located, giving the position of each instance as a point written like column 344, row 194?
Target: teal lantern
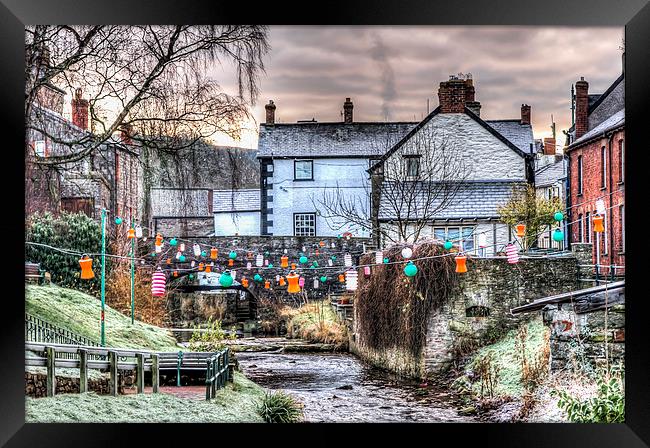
column 315, row 264
column 181, row 258
column 410, row 269
column 386, row 260
column 558, row 235
column 266, row 253
column 191, row 276
column 204, row 254
column 257, row 278
column 232, row 255
column 558, row 216
column 173, row 242
column 153, row 254
column 323, row 279
column 338, row 236
column 270, row 266
column 303, row 260
column 448, row 245
column 118, row 220
column 333, row 257
column 225, row 279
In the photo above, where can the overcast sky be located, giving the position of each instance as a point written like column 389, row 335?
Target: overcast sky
column 390, row 72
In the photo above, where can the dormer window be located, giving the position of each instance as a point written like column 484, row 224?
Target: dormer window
column 412, row 165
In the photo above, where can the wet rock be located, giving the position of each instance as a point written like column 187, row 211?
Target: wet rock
column 345, row 387
column 469, row 410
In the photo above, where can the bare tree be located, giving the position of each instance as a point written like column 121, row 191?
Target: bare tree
column 407, row 190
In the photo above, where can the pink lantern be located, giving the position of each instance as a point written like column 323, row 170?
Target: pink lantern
column 301, row 282
column 511, row 254
column 366, row 271
column 158, row 281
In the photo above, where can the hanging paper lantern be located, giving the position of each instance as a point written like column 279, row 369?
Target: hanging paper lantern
column 214, row 253
column 233, row 273
column 598, row 224
column 317, row 252
column 178, row 255
column 201, row 266
column 304, row 249
column 191, row 276
column 315, row 283
column 293, row 281
column 193, row 263
column 284, row 261
column 204, row 253
column 333, row 245
column 225, row 279
column 197, row 250
column 461, row 266
column 266, row 262
column 512, row 254
column 249, row 255
column 347, row 259
column 267, row 285
column 333, row 257
column 448, row 245
column 158, row 281
column 379, row 257
column 558, row 235
column 270, row 265
column 558, row 216
column 293, row 266
column 301, row 282
column 173, row 242
column 86, row 264
column 118, row 220
column 257, row 278
column 482, row 240
column 159, row 239
column 232, row 255
column 351, row 280
column 322, row 244
column 153, row 254
column 341, row 278
column 314, row 264
column 249, row 265
column 282, row 281
column 244, row 282
column 407, row 252
column 386, row 260
column 208, row 268
column 259, row 260
column 323, row 279
column 277, row 278
column 266, row 254
column 347, row 235
column 366, row 271
column 410, row 269
column 158, row 249
column 181, row 258
column 169, row 261
column 330, row 262
column 182, row 247
column 131, row 233
column 231, row 262
column 303, row 260
column 520, row 230
column 138, row 232
column 175, row 273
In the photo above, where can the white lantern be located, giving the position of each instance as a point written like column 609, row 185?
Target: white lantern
column 192, row 263
column 379, row 257
column 482, row 240
column 407, row 252
column 330, row 262
column 285, row 251
column 333, row 245
column 158, row 249
column 347, row 260
column 178, row 255
column 277, row 278
column 233, row 274
column 600, row 207
column 303, row 249
column 182, row 247
column 249, row 265
column 315, row 283
column 259, row 260
column 351, row 279
column 138, row 232
column 197, row 250
column 512, row 254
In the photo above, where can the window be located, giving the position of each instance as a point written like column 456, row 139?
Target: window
column 579, row 174
column 621, row 219
column 603, row 167
column 304, row 224
column 39, row 148
column 588, row 227
column 621, row 160
column 581, row 236
column 412, row 165
column 303, row 170
column 468, row 238
column 453, row 234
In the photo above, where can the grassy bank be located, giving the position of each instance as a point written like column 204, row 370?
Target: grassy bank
column 317, row 322
column 80, row 313
column 238, row 402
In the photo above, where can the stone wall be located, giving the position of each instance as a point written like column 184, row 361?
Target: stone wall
column 36, row 383
column 492, row 286
column 578, row 340
column 184, row 227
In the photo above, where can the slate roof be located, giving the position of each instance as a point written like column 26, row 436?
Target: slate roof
column 479, row 199
column 615, row 121
column 519, row 134
column 549, row 174
column 313, row 139
column 235, row 200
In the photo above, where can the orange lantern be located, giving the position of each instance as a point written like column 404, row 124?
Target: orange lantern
column 322, row 244
column 282, row 282
column 86, row 264
column 214, row 253
column 520, row 230
column 267, row 285
column 159, row 239
column 244, row 282
column 342, row 278
column 231, row 262
column 293, row 266
column 249, row 255
column 461, row 267
column 293, row 280
column 201, row 265
column 598, row 224
column 208, row 268
column 175, row 273
column 169, row 261
column 284, row 261
column 131, row 234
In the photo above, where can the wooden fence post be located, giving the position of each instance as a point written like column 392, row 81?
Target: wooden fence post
column 112, row 367
column 51, row 371
column 139, row 373
column 155, row 373
column 83, row 371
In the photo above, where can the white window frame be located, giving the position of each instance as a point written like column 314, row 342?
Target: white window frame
column 621, row 211
column 40, row 144
column 460, row 228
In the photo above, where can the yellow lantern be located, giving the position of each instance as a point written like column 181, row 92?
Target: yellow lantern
column 598, row 224
column 131, row 234
column 520, row 230
column 86, row 264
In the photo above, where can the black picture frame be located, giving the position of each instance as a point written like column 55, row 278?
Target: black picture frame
column 633, row 14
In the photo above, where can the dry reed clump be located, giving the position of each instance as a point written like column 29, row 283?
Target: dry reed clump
column 395, row 308
column 316, row 322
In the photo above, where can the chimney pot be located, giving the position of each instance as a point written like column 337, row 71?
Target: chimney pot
column 270, row 112
column 80, row 110
column 347, row 111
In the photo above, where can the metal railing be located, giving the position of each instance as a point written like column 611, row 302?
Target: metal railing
column 217, row 373
column 39, row 330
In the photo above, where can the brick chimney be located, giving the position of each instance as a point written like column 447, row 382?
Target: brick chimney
column 525, row 114
column 549, row 146
column 270, row 112
column 347, row 111
column 582, row 108
column 453, row 94
column 79, row 110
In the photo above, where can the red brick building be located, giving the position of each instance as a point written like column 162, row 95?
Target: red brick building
column 597, row 172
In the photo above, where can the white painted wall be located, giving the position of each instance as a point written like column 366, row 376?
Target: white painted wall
column 242, row 223
column 291, row 196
